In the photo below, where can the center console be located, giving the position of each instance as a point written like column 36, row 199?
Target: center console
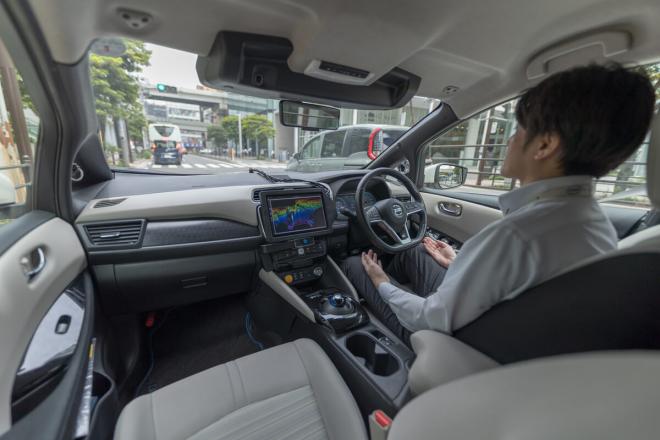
column 297, row 267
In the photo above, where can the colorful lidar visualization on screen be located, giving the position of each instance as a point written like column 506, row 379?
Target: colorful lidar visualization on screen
column 296, row 214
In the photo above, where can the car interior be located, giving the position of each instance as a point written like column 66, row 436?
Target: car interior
column 153, row 305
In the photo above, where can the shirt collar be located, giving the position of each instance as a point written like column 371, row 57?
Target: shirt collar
column 565, row 186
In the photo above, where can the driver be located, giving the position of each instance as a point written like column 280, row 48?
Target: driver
column 572, row 127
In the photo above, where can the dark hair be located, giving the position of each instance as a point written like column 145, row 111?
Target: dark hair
column 600, row 113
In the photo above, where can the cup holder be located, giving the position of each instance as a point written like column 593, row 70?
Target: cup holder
column 376, row 358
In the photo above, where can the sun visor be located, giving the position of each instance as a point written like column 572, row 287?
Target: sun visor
column 257, row 65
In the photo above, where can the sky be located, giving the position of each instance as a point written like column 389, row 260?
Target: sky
column 172, row 67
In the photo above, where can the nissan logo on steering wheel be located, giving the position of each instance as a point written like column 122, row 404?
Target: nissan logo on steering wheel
column 397, row 210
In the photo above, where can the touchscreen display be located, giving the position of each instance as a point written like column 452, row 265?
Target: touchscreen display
column 289, row 215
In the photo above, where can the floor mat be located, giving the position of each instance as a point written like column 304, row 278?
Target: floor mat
column 193, row 338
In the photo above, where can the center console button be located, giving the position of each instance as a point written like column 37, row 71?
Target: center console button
column 318, row 271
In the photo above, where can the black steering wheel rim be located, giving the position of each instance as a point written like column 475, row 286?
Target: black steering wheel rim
column 391, row 214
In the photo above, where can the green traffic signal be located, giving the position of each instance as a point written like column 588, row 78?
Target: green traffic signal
column 164, row 88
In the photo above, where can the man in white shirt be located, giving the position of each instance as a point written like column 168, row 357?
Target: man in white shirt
column 572, row 127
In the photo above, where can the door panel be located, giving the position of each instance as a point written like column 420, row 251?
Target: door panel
column 456, row 218
column 25, row 299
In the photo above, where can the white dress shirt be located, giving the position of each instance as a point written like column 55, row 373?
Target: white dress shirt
column 547, row 226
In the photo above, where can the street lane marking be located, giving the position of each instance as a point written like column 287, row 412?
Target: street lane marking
column 233, row 165
column 199, row 165
column 213, row 165
column 186, row 165
column 172, row 166
column 224, row 165
column 156, row 166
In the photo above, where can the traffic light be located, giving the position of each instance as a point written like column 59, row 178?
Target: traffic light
column 164, row 88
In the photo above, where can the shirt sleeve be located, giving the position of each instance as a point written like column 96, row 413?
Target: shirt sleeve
column 492, row 266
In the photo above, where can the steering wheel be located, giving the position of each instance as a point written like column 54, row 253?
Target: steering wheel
column 391, row 215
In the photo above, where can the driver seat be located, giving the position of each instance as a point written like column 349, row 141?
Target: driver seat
column 609, row 302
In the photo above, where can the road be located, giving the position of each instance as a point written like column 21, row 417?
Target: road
column 193, row 164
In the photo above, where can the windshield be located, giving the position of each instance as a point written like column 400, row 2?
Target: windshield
column 154, row 115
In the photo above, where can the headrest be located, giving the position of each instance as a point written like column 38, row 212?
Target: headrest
column 653, row 163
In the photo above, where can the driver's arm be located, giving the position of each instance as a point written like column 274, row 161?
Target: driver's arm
column 494, row 265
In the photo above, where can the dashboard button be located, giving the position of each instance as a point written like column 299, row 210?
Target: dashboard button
column 288, row 278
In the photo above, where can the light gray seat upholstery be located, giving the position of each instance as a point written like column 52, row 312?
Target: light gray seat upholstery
column 604, row 396
column 291, row 391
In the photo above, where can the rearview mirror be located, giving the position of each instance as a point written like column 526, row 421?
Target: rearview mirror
column 448, row 175
column 7, row 191
column 308, row 116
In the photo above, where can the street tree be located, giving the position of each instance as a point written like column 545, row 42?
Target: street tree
column 116, row 89
column 217, row 134
column 230, row 126
column 258, row 128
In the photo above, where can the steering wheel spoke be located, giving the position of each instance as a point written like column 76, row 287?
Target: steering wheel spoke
column 402, row 237
column 414, row 207
column 389, row 221
column 373, row 215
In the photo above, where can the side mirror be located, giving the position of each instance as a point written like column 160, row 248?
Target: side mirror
column 449, row 175
column 308, row 116
column 296, row 156
column 7, row 191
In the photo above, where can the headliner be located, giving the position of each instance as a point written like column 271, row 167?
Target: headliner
column 481, row 47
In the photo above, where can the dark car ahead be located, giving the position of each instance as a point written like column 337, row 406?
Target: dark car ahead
column 167, row 153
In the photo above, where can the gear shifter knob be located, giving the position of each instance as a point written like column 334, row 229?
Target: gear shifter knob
column 337, row 300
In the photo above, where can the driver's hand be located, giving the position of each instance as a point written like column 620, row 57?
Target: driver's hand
column 441, row 252
column 374, row 268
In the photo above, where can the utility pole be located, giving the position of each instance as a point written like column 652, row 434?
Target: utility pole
column 482, row 147
column 240, row 136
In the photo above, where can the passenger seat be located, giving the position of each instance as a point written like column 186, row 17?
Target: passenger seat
column 291, row 391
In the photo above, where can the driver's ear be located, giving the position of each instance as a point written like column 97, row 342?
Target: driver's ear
column 547, row 146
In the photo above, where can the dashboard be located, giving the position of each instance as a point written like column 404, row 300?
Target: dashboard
column 345, row 191
column 203, row 235
column 349, row 202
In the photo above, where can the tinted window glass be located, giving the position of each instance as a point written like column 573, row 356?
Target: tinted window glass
column 358, row 141
column 312, row 149
column 333, row 143
column 164, row 130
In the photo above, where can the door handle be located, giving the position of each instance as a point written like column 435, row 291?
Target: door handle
column 453, row 209
column 33, row 266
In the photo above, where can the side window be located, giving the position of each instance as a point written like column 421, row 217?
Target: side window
column 312, row 149
column 19, row 130
column 358, row 142
column 478, row 143
column 333, row 143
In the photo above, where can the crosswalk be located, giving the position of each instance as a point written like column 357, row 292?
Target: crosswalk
column 217, row 165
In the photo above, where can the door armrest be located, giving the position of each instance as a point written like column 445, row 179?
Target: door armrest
column 441, row 359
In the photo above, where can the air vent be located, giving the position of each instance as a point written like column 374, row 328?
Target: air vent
column 108, row 202
column 403, row 198
column 127, row 233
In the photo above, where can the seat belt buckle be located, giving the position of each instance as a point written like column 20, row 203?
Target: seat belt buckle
column 379, row 425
